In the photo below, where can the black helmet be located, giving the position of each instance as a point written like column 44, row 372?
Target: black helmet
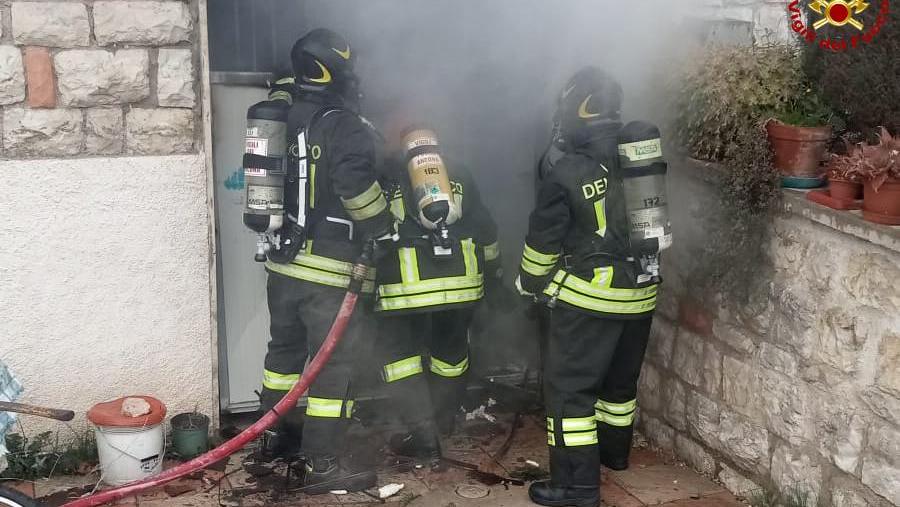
column 591, row 96
column 322, row 61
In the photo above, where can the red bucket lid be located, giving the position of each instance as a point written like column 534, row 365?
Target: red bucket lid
column 109, row 413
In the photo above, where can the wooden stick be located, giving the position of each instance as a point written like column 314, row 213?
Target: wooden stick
column 50, row 413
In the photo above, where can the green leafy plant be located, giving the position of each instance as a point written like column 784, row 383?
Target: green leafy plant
column 806, row 109
column 44, row 455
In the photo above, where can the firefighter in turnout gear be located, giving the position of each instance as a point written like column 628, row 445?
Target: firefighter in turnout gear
column 579, row 259
column 333, row 204
column 426, row 294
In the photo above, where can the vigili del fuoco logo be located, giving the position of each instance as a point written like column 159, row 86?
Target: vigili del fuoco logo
column 850, row 23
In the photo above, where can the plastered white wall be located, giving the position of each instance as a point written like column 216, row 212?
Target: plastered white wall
column 104, row 281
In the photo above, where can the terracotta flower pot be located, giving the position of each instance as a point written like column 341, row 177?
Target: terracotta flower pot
column 883, row 206
column 839, row 188
column 799, row 151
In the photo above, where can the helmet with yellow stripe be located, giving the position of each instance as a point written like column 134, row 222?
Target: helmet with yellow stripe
column 323, row 60
column 591, row 96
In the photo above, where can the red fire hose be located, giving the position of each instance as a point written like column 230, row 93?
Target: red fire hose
column 289, row 401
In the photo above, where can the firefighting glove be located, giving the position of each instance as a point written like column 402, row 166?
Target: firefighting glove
column 290, row 240
column 500, row 298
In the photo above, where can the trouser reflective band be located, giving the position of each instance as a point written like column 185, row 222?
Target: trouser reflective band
column 491, row 251
column 279, row 381
column 327, row 407
column 576, row 431
column 448, row 370
column 615, row 414
column 403, row 368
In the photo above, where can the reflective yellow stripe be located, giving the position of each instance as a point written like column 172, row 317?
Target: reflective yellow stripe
column 348, row 408
column 468, row 250
column 600, row 212
column 549, row 424
column 285, row 80
column 312, row 185
column 279, row 381
column 535, row 269
column 614, row 420
column 616, row 408
column 409, row 265
column 432, row 285
column 601, row 305
column 540, row 258
column 317, row 276
column 579, row 439
column 367, row 204
column 426, row 300
column 551, row 438
column 579, row 423
column 492, row 251
column 281, row 95
column 603, row 277
column 448, row 370
column 399, row 370
column 324, row 407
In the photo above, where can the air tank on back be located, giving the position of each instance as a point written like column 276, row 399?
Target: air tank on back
column 430, row 184
column 264, row 167
column 644, row 178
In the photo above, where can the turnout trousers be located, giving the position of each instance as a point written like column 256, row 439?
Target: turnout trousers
column 591, row 370
column 426, row 360
column 301, row 316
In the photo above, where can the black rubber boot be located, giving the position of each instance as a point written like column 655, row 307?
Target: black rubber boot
column 325, row 473
column 615, row 445
column 545, row 493
column 422, row 443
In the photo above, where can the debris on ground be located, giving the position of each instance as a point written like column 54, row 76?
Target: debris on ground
column 479, row 413
column 389, row 490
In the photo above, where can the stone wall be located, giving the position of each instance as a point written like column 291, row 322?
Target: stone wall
column 749, row 20
column 796, row 387
column 104, row 77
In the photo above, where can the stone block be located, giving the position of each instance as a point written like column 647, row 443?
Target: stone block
column 795, row 471
column 57, row 24
column 142, row 22
column 674, row 405
column 104, row 133
column 785, row 404
column 870, row 281
column 91, row 77
column 794, row 321
column 884, row 439
column 657, row 432
column 746, row 443
column 12, row 75
column 704, row 420
column 711, row 378
column 735, row 337
column 841, row 497
column 740, row 387
column 650, row 389
column 687, row 360
column 42, row 132
column 175, row 78
column 777, row 359
column 159, row 131
column 888, row 377
column 662, row 341
column 40, row 78
column 694, row 455
column 882, row 403
column 883, row 476
column 840, row 429
column 841, row 337
column 736, row 483
column 694, row 316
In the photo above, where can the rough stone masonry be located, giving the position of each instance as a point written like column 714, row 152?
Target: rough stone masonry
column 98, row 78
column 798, row 386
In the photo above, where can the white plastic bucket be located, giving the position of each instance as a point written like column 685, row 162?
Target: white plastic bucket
column 129, row 454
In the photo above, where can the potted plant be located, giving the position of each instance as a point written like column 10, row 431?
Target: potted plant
column 881, row 176
column 845, row 180
column 799, row 132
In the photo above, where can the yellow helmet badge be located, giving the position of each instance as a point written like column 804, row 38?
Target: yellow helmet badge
column 583, row 112
column 345, row 54
column 326, row 75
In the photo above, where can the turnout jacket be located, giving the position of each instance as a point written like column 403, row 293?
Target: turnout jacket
column 412, row 279
column 346, row 201
column 577, row 252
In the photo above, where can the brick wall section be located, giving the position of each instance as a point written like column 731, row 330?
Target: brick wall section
column 796, row 386
column 98, row 77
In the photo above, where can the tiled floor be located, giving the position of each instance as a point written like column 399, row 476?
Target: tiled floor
column 653, row 479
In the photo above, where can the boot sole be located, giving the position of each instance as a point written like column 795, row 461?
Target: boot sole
column 567, row 503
